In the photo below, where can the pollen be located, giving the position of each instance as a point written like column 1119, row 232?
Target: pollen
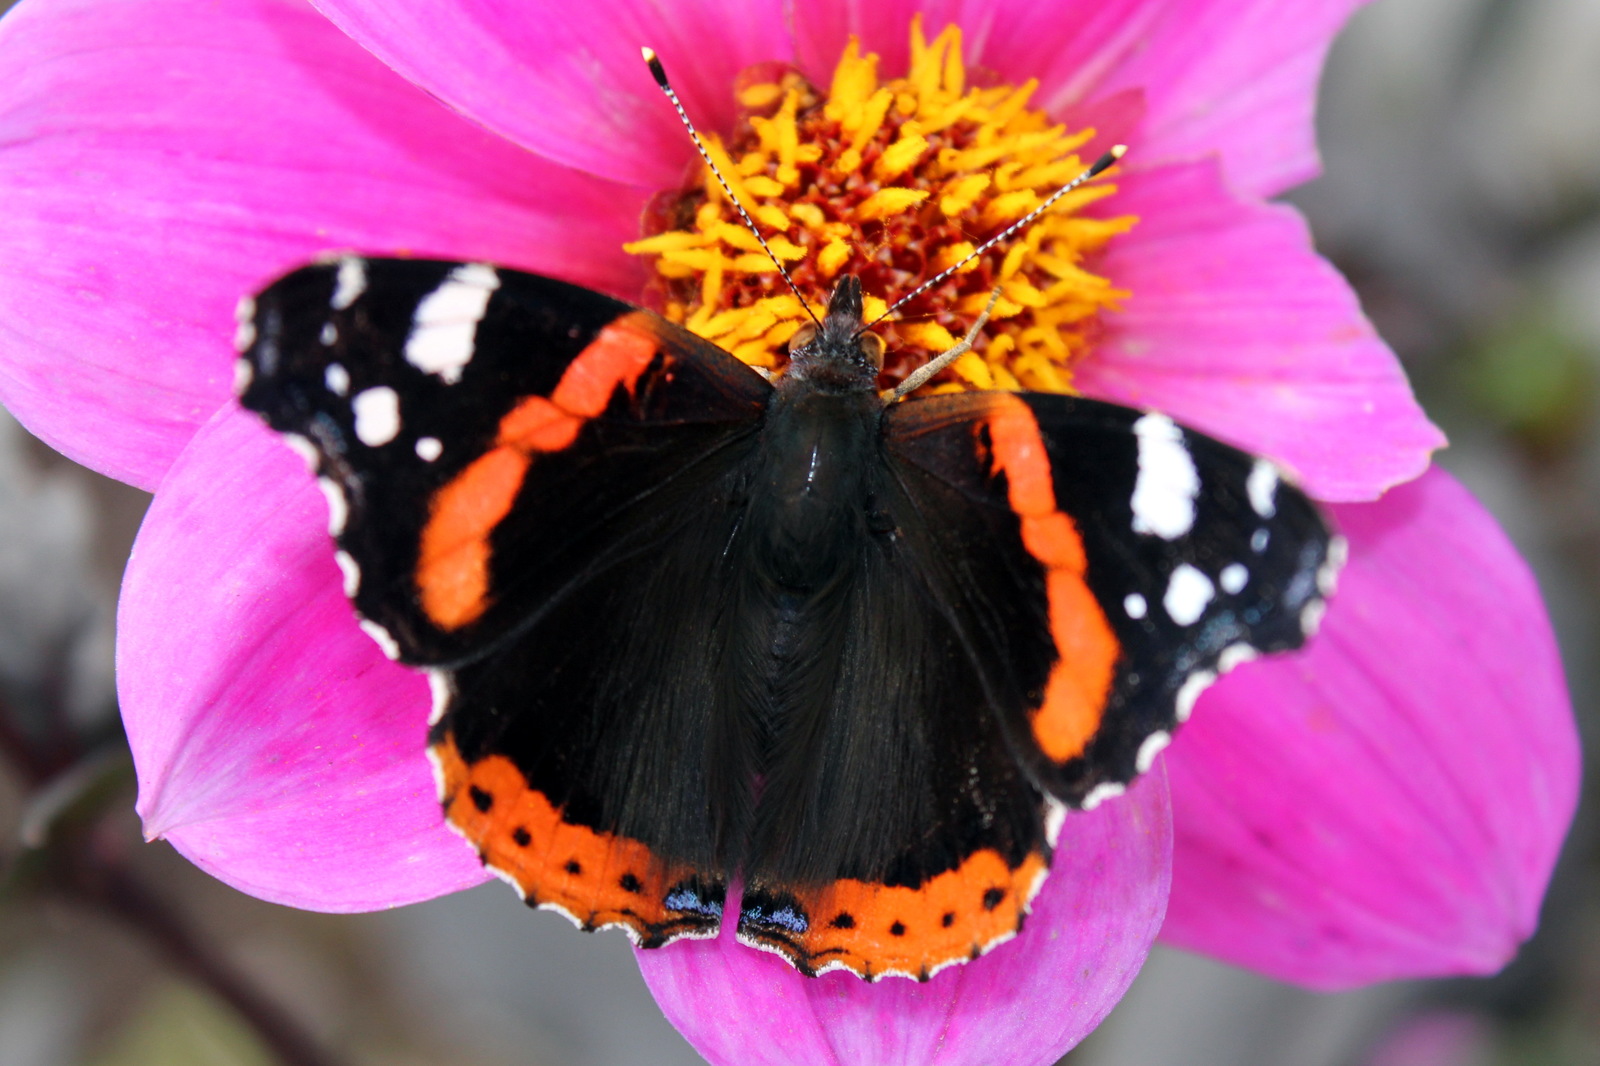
column 894, row 181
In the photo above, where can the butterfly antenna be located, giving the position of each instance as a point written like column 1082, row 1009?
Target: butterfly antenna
column 1101, row 164
column 659, row 72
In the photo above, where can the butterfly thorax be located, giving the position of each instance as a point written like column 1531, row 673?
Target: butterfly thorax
column 810, row 500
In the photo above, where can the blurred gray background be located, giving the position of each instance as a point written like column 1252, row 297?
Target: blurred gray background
column 1462, row 197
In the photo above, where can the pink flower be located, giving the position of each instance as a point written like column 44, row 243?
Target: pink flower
column 1388, row 803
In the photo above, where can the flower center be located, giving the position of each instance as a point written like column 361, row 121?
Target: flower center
column 893, row 182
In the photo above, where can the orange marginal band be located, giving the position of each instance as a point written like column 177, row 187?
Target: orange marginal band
column 598, row 879
column 453, row 558
column 956, row 916
column 1076, row 692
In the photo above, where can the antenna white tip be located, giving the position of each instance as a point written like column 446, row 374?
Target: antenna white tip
column 657, row 71
column 1117, row 150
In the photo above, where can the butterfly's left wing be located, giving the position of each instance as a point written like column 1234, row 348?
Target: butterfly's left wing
column 440, row 404
column 510, row 460
column 1164, row 558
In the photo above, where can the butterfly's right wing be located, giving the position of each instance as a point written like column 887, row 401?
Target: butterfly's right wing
column 1153, row 557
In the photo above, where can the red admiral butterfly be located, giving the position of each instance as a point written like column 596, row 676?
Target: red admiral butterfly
column 683, row 624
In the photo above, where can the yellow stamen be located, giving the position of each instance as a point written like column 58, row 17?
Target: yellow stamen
column 886, row 202
column 894, row 181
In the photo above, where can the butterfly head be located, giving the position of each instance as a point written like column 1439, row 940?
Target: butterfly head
column 839, row 354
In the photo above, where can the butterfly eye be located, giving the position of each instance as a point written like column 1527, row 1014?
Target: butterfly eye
column 802, row 337
column 872, row 347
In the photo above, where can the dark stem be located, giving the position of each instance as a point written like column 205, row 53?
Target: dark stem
column 108, row 884
column 83, row 865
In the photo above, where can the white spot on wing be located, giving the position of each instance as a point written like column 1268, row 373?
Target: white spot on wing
column 1328, row 573
column 330, row 334
column 1196, row 683
column 350, row 283
column 337, row 379
column 244, row 313
column 1153, row 745
column 429, row 448
column 377, row 415
column 444, row 328
column 1233, row 578
column 1262, row 485
column 1258, row 540
column 381, row 635
column 1055, row 816
column 442, row 690
column 243, row 375
column 1135, row 605
column 1102, row 792
column 1188, row 592
column 439, row 785
column 304, row 449
column 338, row 506
column 351, row 572
column 1233, row 655
column 1311, row 617
column 1164, row 494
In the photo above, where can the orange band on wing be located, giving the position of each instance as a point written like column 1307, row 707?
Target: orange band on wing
column 453, row 558
column 874, row 929
column 597, row 879
column 1075, row 695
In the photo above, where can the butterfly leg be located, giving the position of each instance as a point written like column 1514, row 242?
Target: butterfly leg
column 920, row 376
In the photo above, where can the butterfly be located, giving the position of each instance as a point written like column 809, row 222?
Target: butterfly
column 685, row 625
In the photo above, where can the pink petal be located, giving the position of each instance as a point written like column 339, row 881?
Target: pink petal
column 1236, row 327
column 1025, row 1003
column 1219, row 76
column 276, row 747
column 1016, row 39
column 1389, row 803
column 164, row 157
column 565, row 79
column 1235, row 77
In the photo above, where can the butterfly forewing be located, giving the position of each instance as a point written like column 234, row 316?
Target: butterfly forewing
column 1155, row 558
column 440, row 399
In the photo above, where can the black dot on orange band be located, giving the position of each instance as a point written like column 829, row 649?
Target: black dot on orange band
column 520, row 835
column 574, row 867
column 992, row 898
column 481, row 799
column 843, row 920
column 949, row 919
column 630, row 883
column 897, row 929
